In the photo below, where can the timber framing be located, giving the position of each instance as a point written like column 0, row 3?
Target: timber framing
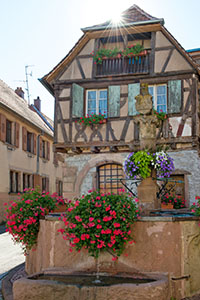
column 48, row 79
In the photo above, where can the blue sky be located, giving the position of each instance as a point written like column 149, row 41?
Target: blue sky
column 41, row 33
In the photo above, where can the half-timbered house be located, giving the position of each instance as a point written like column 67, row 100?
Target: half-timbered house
column 95, row 154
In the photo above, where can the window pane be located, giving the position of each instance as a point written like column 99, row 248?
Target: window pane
column 103, row 95
column 162, row 98
column 162, row 108
column 161, row 89
column 91, row 102
column 150, row 88
column 103, row 102
column 151, row 92
column 91, row 95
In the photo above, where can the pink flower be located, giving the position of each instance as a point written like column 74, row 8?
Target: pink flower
column 116, row 225
column 91, row 219
column 108, row 208
column 114, row 258
column 91, row 224
column 76, row 240
column 92, row 242
column 99, row 226
column 78, row 218
column 106, row 219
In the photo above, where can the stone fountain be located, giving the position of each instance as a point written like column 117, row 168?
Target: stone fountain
column 163, row 263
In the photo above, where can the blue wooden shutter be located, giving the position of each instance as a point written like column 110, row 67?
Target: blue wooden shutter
column 114, row 101
column 77, row 100
column 174, row 96
column 133, row 90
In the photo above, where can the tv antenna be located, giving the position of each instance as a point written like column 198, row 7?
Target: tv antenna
column 27, row 86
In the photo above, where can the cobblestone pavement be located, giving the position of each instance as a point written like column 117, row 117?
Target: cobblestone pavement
column 11, row 254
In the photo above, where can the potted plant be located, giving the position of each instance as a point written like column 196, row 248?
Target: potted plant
column 141, row 163
column 92, row 119
column 134, row 50
column 100, row 222
column 23, row 216
column 170, row 201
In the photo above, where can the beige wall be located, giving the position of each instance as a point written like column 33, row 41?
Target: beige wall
column 177, row 62
column 21, row 161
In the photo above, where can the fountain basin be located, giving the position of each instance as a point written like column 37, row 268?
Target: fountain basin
column 164, row 244
column 81, row 287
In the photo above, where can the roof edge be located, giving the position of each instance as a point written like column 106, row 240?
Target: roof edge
column 110, row 26
column 193, row 50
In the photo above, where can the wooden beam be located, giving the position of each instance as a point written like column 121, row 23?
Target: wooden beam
column 95, row 149
column 76, row 150
column 124, row 31
column 152, row 54
column 167, row 60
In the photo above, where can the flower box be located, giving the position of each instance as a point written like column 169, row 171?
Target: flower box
column 167, row 206
column 60, row 208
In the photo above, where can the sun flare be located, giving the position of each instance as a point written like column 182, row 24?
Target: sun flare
column 116, row 17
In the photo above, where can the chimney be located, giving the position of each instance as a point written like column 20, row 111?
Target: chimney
column 37, row 103
column 19, row 92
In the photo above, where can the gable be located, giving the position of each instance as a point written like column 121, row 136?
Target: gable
column 81, row 66
column 168, row 57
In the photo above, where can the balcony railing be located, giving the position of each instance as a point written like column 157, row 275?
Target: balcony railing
column 117, row 66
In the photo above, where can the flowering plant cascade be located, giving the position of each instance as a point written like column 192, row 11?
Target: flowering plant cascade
column 129, row 51
column 92, row 119
column 142, row 162
column 160, row 115
column 177, row 201
column 100, row 222
column 195, row 207
column 24, row 214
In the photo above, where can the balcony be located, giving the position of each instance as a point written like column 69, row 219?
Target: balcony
column 123, row 65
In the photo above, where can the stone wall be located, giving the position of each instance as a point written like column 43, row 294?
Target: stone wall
column 80, row 171
column 163, row 245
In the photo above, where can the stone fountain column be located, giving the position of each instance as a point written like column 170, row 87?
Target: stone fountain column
column 148, row 122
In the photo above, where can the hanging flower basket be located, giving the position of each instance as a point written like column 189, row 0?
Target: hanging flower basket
column 141, row 163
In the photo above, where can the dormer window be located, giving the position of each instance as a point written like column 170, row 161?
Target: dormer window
column 97, row 102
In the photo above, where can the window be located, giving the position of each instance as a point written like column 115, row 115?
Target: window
column 43, row 149
column 59, row 187
column 14, row 182
column 45, row 184
column 97, row 102
column 8, row 132
column 30, row 142
column 27, row 181
column 109, row 176
column 159, row 93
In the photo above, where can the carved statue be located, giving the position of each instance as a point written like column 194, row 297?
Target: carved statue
column 147, row 120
